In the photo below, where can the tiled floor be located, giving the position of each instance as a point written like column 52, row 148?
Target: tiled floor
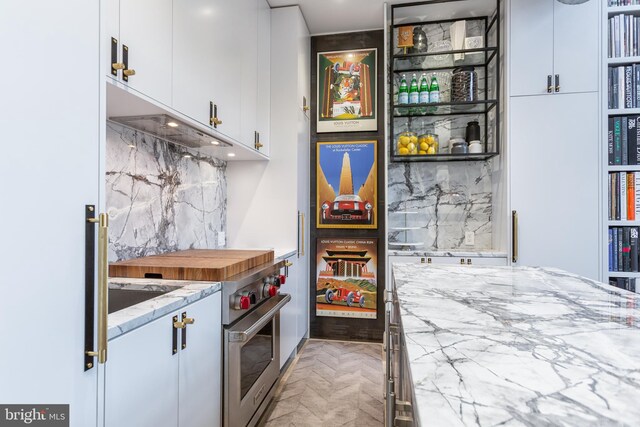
column 331, row 383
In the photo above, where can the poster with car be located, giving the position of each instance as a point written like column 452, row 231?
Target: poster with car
column 347, row 91
column 346, row 278
column 346, row 185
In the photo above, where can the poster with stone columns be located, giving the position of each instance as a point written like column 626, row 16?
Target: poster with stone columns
column 347, row 185
column 346, row 278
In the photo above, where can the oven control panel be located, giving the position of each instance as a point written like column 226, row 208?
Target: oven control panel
column 254, row 294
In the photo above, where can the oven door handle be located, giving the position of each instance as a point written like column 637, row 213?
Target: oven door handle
column 243, row 336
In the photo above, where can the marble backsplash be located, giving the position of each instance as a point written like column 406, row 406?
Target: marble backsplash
column 161, row 197
column 437, row 203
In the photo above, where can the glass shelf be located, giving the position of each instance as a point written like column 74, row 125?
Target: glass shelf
column 442, row 157
column 444, row 108
column 444, row 60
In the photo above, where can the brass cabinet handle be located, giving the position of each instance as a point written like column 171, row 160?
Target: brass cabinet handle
column 215, row 121
column 103, row 287
column 129, row 72
column 288, row 264
column 514, row 236
column 189, row 320
column 306, row 108
column 256, row 140
column 557, row 82
column 179, row 325
column 549, row 85
column 117, row 66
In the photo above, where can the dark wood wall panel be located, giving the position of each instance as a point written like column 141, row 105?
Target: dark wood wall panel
column 337, row 327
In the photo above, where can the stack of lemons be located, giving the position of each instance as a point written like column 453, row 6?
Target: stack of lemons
column 407, row 144
column 428, row 144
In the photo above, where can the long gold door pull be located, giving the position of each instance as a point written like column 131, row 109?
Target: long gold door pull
column 103, row 298
column 514, row 236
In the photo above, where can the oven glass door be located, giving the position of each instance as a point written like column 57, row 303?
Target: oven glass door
column 255, row 357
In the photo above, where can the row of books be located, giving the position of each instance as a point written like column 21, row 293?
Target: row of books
column 623, row 249
column 623, row 140
column 624, row 86
column 624, row 36
column 626, row 283
column 622, row 2
column 624, row 196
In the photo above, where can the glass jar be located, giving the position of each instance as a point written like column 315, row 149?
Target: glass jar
column 407, row 144
column 428, row 144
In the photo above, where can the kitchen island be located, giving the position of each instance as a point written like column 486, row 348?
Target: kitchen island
column 517, row 346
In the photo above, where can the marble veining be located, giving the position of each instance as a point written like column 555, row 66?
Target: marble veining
column 446, row 200
column 161, row 197
column 524, row 346
column 130, row 318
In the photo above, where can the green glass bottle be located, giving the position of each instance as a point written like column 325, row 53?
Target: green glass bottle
column 434, row 90
column 424, row 89
column 403, row 91
column 414, row 94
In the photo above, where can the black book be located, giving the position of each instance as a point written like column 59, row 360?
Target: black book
column 625, row 140
column 615, row 250
column 626, row 249
column 632, row 140
column 614, row 87
column 617, row 141
column 609, row 196
column 620, row 247
column 636, row 155
column 633, row 254
column 610, row 141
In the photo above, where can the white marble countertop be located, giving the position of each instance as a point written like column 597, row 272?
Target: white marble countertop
column 450, row 253
column 519, row 347
column 184, row 293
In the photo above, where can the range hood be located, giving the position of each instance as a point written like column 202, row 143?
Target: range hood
column 170, row 129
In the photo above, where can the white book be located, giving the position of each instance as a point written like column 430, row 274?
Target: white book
column 621, row 87
column 623, row 196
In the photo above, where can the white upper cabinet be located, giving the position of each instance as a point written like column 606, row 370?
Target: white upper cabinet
column 248, row 72
column 531, row 46
column 194, row 60
column 553, row 47
column 227, row 44
column 145, row 30
column 263, row 66
column 576, row 46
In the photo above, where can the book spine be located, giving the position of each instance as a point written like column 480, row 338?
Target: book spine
column 633, row 242
column 637, row 198
column 620, row 253
column 623, row 196
column 609, row 197
column 632, row 141
column 610, row 250
column 617, row 140
column 610, row 140
column 621, row 87
column 626, row 249
column 625, row 140
column 631, row 196
column 616, row 197
column 615, row 249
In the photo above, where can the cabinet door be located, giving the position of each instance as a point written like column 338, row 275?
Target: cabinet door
column 141, row 377
column 248, row 72
column 289, row 314
column 194, row 24
column 530, row 46
column 227, row 45
column 145, row 28
column 576, row 46
column 554, row 180
column 263, row 97
column 201, row 365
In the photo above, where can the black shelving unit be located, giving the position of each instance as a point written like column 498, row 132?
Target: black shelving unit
column 478, row 57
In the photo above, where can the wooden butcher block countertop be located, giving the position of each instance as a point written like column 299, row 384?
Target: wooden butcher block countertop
column 196, row 264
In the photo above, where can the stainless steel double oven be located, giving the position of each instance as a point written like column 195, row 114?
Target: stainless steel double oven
column 251, row 318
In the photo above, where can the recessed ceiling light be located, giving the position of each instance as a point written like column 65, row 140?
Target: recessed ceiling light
column 231, row 154
column 131, row 146
column 172, row 124
column 214, row 142
column 187, row 156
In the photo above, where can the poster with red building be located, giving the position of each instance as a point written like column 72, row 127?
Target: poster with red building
column 346, row 278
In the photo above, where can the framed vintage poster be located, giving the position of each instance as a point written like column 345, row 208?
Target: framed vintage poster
column 346, row 278
column 347, row 91
column 347, row 185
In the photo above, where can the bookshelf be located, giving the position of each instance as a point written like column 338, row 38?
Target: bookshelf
column 620, row 247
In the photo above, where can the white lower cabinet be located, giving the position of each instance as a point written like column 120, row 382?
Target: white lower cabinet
column 147, row 384
column 289, row 314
